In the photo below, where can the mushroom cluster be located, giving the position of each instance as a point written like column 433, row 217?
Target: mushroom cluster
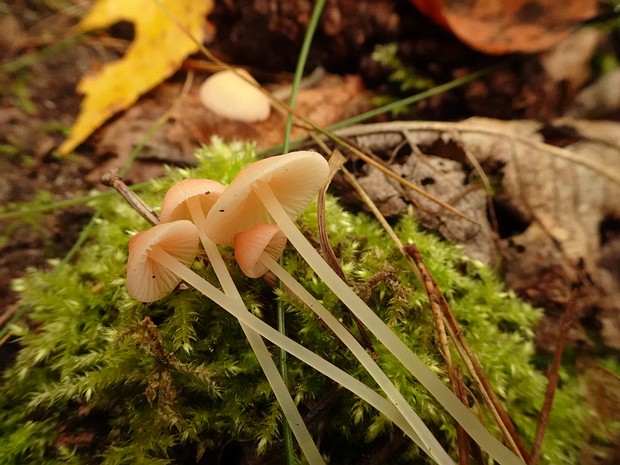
column 255, row 214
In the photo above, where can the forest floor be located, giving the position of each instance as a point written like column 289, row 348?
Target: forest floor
column 41, row 68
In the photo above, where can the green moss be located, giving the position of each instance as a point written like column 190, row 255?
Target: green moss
column 101, row 378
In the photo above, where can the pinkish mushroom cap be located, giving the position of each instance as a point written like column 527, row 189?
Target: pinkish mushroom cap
column 252, row 244
column 147, row 280
column 228, row 95
column 294, row 178
column 174, row 206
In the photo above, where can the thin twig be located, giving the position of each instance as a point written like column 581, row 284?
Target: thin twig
column 553, row 375
column 466, row 127
column 112, row 179
column 473, row 365
column 462, row 438
column 336, row 162
column 431, row 290
column 378, row 163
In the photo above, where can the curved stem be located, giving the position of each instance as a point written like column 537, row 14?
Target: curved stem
column 431, row 446
column 239, row 311
column 277, row 383
column 412, row 362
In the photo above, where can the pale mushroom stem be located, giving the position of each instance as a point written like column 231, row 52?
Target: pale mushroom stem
column 280, row 390
column 238, row 310
column 397, row 347
column 431, row 445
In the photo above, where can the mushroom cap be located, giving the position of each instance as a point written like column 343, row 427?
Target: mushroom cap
column 147, row 280
column 250, row 246
column 174, row 206
column 295, row 178
column 228, row 95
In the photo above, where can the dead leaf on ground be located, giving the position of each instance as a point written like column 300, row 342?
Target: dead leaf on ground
column 159, row 48
column 601, row 99
column 508, row 26
column 331, row 99
column 569, row 63
column 551, row 202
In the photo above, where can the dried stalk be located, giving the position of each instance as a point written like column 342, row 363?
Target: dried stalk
column 553, row 375
column 474, row 367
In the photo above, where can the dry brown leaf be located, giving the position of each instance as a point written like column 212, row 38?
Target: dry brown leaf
column 508, row 26
column 445, row 180
column 601, row 99
column 553, row 201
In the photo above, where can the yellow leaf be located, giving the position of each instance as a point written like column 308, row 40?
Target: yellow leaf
column 159, row 48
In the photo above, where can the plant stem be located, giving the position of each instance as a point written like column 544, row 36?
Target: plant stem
column 301, row 63
column 112, row 179
column 299, row 70
column 553, row 376
column 431, row 446
column 239, row 311
column 473, row 365
column 412, row 362
column 276, row 380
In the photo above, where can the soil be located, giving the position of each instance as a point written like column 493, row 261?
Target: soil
column 38, row 102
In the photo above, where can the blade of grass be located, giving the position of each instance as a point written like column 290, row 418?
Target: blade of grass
column 299, row 70
column 392, row 106
column 30, row 59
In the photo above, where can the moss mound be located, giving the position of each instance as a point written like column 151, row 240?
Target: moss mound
column 103, row 379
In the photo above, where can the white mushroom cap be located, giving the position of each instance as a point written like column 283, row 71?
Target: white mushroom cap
column 147, row 280
column 174, row 206
column 295, row 179
column 227, row 95
column 250, row 246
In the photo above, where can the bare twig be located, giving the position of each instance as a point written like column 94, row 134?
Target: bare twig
column 431, row 290
column 473, row 365
column 112, row 179
column 336, row 162
column 553, row 375
column 462, row 439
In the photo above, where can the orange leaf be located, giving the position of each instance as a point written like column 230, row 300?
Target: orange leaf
column 507, row 26
column 159, row 48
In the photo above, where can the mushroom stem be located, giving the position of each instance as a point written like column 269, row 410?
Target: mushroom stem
column 432, row 446
column 238, row 310
column 412, row 362
column 280, row 390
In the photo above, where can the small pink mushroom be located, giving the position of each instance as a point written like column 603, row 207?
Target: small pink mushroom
column 147, row 279
column 279, row 189
column 175, row 205
column 159, row 259
column 192, row 199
